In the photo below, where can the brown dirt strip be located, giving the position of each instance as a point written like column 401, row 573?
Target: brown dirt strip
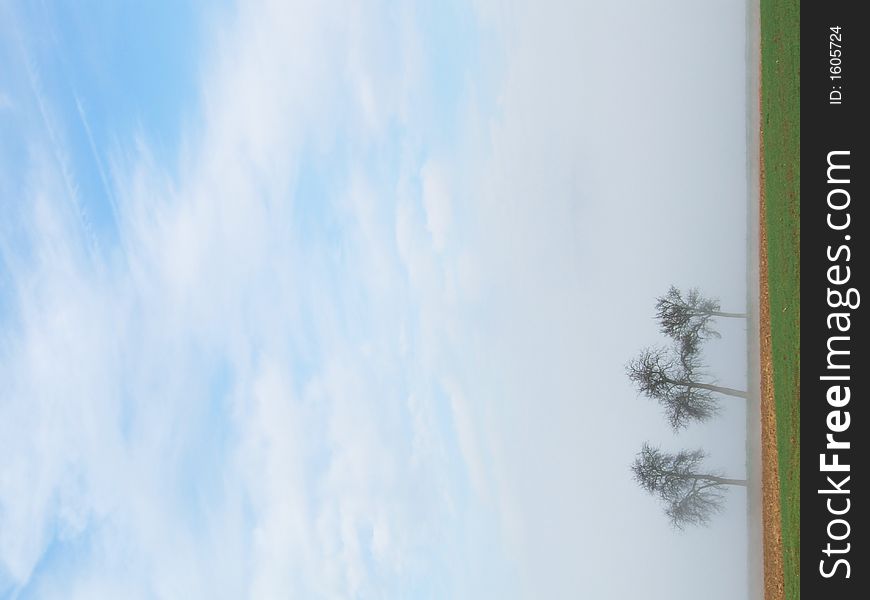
column 774, row 588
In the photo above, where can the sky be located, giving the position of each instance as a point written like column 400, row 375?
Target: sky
column 333, row 300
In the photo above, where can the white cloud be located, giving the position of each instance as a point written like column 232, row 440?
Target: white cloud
column 437, row 202
column 260, row 394
column 468, row 444
column 201, row 409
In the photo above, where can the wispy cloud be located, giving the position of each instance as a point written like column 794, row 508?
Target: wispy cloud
column 347, row 341
column 95, row 153
column 223, row 411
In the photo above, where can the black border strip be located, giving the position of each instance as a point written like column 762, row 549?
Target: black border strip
column 835, row 225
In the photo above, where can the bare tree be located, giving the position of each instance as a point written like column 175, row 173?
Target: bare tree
column 687, row 317
column 691, row 495
column 674, row 377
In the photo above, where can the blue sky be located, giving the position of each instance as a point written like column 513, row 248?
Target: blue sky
column 322, row 300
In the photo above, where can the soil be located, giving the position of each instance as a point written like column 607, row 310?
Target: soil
column 770, row 507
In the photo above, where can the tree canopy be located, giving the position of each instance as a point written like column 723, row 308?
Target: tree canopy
column 687, row 317
column 690, row 495
column 672, row 377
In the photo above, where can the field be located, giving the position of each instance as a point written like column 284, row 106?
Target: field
column 780, row 128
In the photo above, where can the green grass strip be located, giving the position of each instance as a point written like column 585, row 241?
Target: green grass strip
column 780, row 118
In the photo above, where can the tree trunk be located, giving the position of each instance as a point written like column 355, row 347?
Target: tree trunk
column 708, row 479
column 725, row 480
column 720, row 389
column 713, row 388
column 719, row 313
